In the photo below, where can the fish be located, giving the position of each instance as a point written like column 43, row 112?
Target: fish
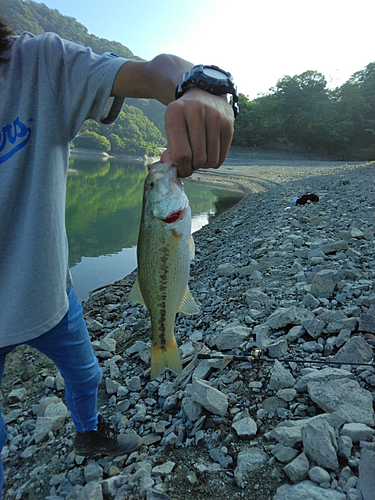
column 164, row 251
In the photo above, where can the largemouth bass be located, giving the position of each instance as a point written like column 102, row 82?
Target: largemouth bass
column 165, row 247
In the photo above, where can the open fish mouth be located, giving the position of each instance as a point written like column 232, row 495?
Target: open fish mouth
column 173, row 217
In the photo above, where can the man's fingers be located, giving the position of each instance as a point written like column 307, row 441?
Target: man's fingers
column 225, row 142
column 179, row 148
column 199, row 128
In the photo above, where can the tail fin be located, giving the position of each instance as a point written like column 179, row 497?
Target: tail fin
column 165, row 358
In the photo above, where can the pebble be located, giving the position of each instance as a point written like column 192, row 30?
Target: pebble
column 247, row 461
column 319, row 475
column 298, row 469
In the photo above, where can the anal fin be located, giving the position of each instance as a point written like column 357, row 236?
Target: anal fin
column 188, row 304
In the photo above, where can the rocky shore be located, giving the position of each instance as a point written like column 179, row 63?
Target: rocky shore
column 296, row 281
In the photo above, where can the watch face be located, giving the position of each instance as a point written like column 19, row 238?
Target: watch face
column 214, row 73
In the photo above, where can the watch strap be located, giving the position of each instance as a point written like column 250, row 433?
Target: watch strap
column 195, row 78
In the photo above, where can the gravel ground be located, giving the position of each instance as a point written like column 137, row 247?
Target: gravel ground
column 294, row 281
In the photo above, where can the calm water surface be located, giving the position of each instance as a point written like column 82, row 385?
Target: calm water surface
column 103, row 211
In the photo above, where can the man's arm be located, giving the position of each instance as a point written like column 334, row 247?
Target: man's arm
column 199, row 125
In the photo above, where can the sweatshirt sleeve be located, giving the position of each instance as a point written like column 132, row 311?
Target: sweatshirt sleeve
column 81, row 82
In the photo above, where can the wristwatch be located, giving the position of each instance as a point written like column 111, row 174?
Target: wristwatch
column 211, row 79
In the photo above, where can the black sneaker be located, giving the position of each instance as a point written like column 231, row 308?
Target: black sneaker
column 104, row 441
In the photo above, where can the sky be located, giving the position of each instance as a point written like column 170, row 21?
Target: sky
column 258, row 42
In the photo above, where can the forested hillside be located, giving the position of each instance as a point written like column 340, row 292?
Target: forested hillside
column 38, row 18
column 140, row 127
column 299, row 112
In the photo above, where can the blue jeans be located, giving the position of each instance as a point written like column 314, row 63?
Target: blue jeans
column 68, row 346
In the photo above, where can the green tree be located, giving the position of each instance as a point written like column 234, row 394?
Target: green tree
column 301, row 106
column 92, row 140
column 355, row 105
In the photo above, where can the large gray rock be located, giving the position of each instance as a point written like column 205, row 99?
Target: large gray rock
column 90, row 491
column 192, row 409
column 210, row 398
column 256, row 295
column 53, row 420
column 244, row 425
column 307, row 490
column 319, row 475
column 278, row 349
column 288, row 432
column 283, row 317
column 298, row 469
column 314, row 327
column 367, row 322
column 231, row 337
column 357, row 432
column 225, row 269
column 92, row 472
column 319, row 443
column 345, row 397
column 261, row 333
column 248, row 461
column 356, row 350
column 284, row 454
column 321, row 376
column 334, row 246
column 324, row 283
column 366, row 474
column 344, row 445
column 281, row 378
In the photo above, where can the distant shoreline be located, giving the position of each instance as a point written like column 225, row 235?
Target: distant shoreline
column 92, row 153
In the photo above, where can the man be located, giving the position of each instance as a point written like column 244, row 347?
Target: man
column 48, row 87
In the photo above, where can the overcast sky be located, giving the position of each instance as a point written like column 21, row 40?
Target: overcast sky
column 258, row 42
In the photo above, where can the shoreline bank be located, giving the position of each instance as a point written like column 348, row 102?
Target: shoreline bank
column 296, row 281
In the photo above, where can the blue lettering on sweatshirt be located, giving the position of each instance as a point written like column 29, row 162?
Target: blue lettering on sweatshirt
column 16, row 135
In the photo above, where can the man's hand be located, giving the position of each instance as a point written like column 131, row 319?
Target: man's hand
column 199, row 125
column 199, row 129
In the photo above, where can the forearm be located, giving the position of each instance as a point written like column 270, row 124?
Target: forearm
column 155, row 79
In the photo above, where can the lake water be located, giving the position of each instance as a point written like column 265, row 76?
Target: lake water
column 103, row 211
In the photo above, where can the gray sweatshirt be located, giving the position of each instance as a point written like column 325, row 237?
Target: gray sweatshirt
column 47, row 89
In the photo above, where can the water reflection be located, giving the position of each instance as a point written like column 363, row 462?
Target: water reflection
column 103, row 210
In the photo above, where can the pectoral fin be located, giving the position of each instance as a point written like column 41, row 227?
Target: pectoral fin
column 188, row 305
column 135, row 294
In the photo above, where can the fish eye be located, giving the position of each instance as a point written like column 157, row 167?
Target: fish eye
column 151, row 184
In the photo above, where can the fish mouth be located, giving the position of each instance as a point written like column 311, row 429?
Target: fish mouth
column 173, row 217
